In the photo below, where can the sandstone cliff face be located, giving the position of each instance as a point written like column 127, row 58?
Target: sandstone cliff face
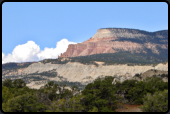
column 112, row 40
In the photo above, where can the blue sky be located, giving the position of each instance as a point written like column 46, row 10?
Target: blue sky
column 39, row 27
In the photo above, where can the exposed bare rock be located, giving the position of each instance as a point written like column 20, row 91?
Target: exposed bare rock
column 111, row 40
column 114, row 32
column 77, row 72
column 151, row 73
column 74, row 71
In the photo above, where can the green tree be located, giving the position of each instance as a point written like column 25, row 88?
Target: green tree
column 67, row 105
column 7, row 82
column 158, row 102
column 75, row 90
column 100, row 94
column 6, row 94
column 94, row 109
column 24, row 103
column 19, row 83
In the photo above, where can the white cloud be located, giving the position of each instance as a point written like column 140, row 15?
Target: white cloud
column 23, row 53
column 53, row 53
column 3, row 55
column 31, row 52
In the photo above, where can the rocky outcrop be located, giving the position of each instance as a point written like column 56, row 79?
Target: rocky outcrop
column 116, row 32
column 152, row 73
column 85, row 74
column 111, row 40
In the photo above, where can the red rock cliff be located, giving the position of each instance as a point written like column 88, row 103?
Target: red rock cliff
column 109, row 41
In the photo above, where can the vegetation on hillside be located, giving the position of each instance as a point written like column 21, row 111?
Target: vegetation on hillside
column 14, row 66
column 116, row 58
column 157, row 102
column 125, row 58
column 99, row 96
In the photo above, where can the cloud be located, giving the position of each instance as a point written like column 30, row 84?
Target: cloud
column 23, row 53
column 53, row 53
column 3, row 55
column 30, row 51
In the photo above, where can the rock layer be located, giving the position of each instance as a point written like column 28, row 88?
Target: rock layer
column 111, row 40
column 74, row 71
column 77, row 72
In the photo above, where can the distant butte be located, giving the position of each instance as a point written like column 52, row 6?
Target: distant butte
column 111, row 40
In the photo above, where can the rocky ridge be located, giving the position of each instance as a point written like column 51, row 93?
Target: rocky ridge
column 77, row 72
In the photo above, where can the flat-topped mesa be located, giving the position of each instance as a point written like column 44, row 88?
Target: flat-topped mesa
column 116, row 32
column 111, row 40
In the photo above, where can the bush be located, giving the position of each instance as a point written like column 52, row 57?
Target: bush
column 19, row 83
column 7, row 82
column 24, row 103
column 158, row 102
column 67, row 105
column 134, row 90
column 100, row 95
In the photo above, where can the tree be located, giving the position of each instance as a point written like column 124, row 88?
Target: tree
column 100, row 94
column 94, row 109
column 50, row 85
column 7, row 82
column 67, row 105
column 19, row 83
column 158, row 102
column 6, row 94
column 75, row 90
column 24, row 103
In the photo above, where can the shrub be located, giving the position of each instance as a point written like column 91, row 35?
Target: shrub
column 100, row 95
column 7, row 82
column 158, row 102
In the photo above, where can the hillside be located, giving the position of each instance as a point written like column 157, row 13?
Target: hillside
column 124, row 58
column 70, row 73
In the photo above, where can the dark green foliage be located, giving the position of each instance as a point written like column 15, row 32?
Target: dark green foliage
column 100, row 95
column 32, row 78
column 164, row 75
column 54, row 91
column 138, row 75
column 158, row 102
column 134, row 90
column 54, row 61
column 74, row 87
column 13, row 66
column 153, row 84
column 20, row 98
column 49, row 91
column 24, row 103
column 7, row 83
column 124, row 57
column 70, row 84
column 19, row 83
column 72, row 104
column 6, row 94
column 50, row 73
column 16, row 99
